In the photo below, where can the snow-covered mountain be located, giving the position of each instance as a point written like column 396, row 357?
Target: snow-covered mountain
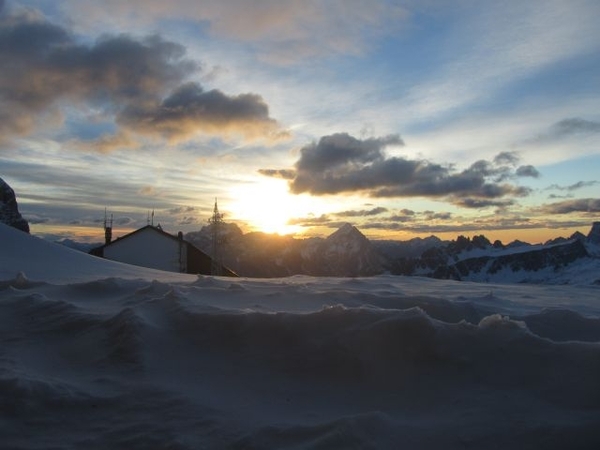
column 573, row 260
column 9, row 209
column 347, row 252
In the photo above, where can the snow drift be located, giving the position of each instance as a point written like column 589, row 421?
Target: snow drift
column 101, row 355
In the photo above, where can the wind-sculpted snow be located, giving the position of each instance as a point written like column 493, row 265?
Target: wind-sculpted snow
column 151, row 361
column 296, row 363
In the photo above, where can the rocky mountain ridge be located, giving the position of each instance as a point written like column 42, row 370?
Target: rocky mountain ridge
column 347, row 252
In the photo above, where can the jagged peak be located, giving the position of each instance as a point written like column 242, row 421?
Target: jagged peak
column 594, row 234
column 347, row 230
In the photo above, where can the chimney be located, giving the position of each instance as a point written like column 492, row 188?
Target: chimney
column 107, row 228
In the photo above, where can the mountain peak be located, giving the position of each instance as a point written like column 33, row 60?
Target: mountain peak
column 346, row 231
column 594, row 234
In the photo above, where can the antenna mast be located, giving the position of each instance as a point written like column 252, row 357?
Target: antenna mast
column 216, row 221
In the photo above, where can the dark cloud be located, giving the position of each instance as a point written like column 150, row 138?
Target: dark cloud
column 506, row 158
column 340, row 150
column 341, row 163
column 482, row 203
column 35, row 220
column 285, row 174
column 527, row 171
column 585, row 205
column 139, row 82
column 43, row 65
column 572, row 187
column 124, row 221
column 401, row 218
column 182, row 210
column 572, row 126
column 190, row 109
column 362, row 212
column 187, row 220
column 581, row 184
column 310, row 221
column 567, row 128
column 432, row 215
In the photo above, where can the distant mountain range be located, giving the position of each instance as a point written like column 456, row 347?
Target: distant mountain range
column 347, row 252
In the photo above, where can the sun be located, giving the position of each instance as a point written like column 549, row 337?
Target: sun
column 266, row 205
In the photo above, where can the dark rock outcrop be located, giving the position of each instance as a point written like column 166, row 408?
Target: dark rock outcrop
column 9, row 210
column 594, row 235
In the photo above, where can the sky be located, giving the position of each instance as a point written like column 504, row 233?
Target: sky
column 404, row 118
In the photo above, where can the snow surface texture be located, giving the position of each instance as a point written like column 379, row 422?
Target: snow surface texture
column 95, row 355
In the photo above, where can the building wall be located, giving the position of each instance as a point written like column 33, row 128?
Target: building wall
column 149, row 248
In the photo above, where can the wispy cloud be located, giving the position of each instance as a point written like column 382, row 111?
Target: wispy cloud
column 500, row 44
column 572, row 187
column 275, row 31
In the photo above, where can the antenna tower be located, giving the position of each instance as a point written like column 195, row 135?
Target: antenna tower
column 216, row 221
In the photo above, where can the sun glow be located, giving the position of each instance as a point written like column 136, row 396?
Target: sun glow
column 266, row 205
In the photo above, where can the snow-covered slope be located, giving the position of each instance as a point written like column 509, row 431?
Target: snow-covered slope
column 566, row 261
column 43, row 260
column 95, row 354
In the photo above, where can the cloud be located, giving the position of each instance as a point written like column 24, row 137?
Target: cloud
column 479, row 203
column 278, row 32
column 569, row 128
column 340, row 163
column 106, row 143
column 311, row 221
column 147, row 191
column 124, row 221
column 190, row 109
column 572, row 126
column 182, row 210
column 188, row 220
column 362, row 213
column 504, row 158
column 572, row 187
column 43, row 65
column 527, row 171
column 400, row 218
column 585, row 205
column 433, row 215
column 285, row 174
column 141, row 84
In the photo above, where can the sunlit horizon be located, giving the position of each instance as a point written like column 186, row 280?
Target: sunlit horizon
column 405, row 119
